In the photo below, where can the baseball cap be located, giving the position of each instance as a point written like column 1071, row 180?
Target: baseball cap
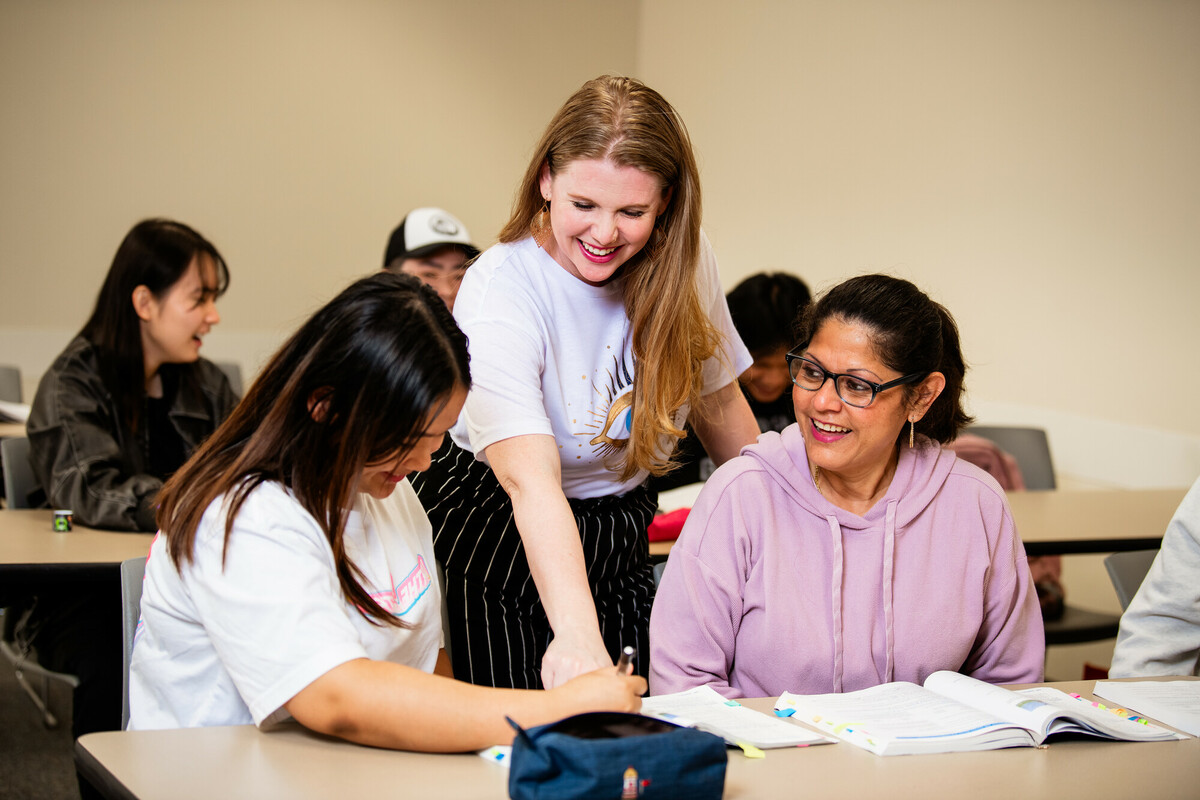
column 425, row 230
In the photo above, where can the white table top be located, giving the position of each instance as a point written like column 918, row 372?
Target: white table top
column 28, row 539
column 295, row 764
column 1093, row 521
column 1057, row 521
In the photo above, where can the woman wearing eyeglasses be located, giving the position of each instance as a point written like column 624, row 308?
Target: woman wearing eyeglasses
column 851, row 549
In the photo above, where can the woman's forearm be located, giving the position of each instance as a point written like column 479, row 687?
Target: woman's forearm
column 527, row 467
column 383, row 704
column 724, row 423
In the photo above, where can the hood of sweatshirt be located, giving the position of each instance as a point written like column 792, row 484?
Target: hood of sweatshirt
column 920, row 473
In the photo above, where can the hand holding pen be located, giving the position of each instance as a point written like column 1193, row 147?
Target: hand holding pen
column 625, row 662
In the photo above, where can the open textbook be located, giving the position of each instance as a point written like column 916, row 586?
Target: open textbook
column 705, row 709
column 954, row 712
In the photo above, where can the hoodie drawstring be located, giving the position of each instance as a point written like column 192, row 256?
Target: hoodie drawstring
column 889, row 570
column 836, row 532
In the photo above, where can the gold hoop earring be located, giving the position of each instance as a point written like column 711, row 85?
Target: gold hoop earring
column 912, row 433
column 539, row 227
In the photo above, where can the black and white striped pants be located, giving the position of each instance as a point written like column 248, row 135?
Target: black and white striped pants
column 498, row 627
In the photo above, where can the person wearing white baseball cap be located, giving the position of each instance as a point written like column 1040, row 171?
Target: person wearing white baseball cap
column 433, row 245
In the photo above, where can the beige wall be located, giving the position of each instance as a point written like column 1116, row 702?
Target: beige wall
column 295, row 134
column 1034, row 165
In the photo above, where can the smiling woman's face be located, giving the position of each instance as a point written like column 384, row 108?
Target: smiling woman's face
column 173, row 326
column 601, row 214
column 380, row 480
column 838, row 437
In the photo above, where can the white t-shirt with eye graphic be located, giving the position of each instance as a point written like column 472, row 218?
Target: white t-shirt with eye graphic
column 553, row 355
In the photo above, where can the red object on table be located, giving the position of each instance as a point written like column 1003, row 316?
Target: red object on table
column 666, row 527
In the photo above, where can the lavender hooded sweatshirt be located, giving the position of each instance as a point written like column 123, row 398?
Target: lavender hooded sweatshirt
column 771, row 587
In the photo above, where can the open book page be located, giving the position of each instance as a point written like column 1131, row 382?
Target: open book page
column 1078, row 715
column 705, row 709
column 1030, row 713
column 1043, row 709
column 899, row 718
column 1176, row 703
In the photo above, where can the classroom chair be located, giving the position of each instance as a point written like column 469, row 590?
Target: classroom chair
column 133, row 571
column 1127, row 571
column 19, row 483
column 10, row 384
column 659, row 567
column 1031, row 448
column 233, row 371
column 10, row 392
column 21, row 659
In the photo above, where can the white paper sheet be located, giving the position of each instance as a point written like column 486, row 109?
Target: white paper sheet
column 14, row 412
column 1174, row 703
column 704, row 708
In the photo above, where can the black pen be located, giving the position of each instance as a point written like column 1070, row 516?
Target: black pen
column 625, row 662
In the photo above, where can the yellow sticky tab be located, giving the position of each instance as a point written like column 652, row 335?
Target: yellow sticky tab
column 751, row 751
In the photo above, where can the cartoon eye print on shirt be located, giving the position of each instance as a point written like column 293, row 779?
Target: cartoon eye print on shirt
column 613, row 422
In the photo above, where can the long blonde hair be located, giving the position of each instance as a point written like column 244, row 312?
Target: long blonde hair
column 631, row 125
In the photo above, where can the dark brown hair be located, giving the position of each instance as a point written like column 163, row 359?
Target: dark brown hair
column 765, row 308
column 155, row 253
column 911, row 334
column 382, row 359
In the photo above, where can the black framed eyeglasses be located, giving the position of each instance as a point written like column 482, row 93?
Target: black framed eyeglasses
column 854, row 391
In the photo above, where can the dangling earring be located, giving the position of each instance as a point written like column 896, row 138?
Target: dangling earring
column 539, row 228
column 912, row 432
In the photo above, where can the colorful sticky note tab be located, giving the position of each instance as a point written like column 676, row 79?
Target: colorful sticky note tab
column 751, row 751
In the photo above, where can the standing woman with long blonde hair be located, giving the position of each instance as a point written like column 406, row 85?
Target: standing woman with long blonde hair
column 595, row 325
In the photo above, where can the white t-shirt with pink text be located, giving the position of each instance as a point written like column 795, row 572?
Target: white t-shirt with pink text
column 230, row 645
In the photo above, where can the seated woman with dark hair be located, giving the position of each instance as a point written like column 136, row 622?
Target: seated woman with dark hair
column 852, row 550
